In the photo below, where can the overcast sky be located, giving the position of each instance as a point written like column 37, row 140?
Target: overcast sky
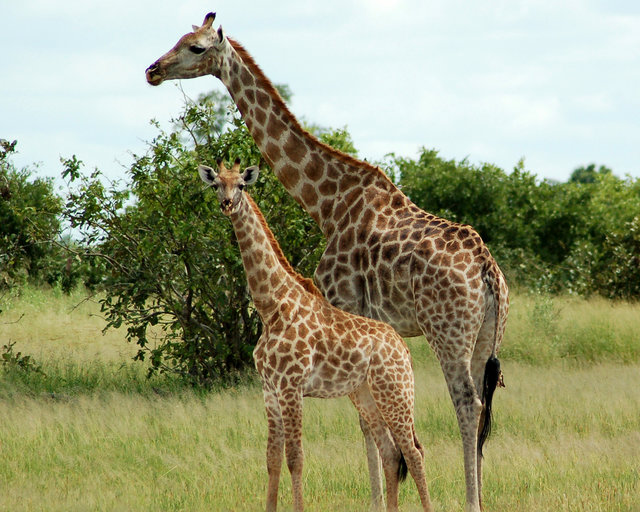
column 554, row 82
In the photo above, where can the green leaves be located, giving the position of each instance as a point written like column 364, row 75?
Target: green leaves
column 175, row 277
column 29, row 223
column 577, row 236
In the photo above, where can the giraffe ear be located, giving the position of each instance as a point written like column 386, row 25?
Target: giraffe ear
column 221, row 36
column 207, row 174
column 250, row 175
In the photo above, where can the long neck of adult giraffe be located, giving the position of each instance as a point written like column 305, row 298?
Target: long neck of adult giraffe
column 273, row 282
column 326, row 182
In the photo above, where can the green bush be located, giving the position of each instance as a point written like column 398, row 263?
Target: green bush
column 580, row 237
column 29, row 225
column 175, row 276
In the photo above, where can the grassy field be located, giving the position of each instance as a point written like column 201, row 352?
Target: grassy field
column 82, row 429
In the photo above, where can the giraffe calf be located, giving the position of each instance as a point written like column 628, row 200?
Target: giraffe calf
column 310, row 348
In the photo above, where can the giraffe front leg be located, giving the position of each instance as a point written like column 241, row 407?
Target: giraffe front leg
column 386, row 446
column 374, row 464
column 291, row 407
column 275, row 448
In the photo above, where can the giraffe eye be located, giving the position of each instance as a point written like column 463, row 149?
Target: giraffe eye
column 241, row 186
column 214, row 186
column 194, row 48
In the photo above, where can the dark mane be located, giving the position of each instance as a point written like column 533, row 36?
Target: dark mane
column 268, row 86
column 306, row 283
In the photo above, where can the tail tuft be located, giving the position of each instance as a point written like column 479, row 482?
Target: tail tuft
column 402, row 469
column 492, row 379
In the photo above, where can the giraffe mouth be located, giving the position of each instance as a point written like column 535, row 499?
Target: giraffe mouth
column 154, row 74
column 227, row 206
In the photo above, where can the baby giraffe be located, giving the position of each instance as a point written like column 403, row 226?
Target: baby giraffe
column 310, row 348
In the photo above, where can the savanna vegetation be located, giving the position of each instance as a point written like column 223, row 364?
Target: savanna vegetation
column 156, row 249
column 126, row 333
column 83, row 428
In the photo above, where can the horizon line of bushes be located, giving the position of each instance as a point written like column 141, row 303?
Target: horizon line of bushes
column 163, row 257
column 579, row 237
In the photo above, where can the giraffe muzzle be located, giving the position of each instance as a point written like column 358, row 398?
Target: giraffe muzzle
column 154, row 74
column 226, row 206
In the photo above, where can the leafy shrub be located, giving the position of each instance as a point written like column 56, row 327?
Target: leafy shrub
column 580, row 237
column 29, row 224
column 16, row 360
column 175, row 276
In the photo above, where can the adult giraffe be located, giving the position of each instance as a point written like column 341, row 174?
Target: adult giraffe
column 385, row 258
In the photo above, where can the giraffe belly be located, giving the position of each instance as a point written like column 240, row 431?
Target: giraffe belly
column 382, row 295
column 327, row 381
column 400, row 316
column 390, row 301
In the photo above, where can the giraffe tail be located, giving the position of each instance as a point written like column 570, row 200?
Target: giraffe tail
column 489, row 384
column 402, row 469
column 492, row 373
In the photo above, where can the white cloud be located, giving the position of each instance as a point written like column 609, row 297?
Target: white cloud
column 551, row 81
column 596, row 102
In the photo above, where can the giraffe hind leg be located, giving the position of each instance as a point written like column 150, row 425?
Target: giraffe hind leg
column 468, row 408
column 485, row 370
column 413, row 456
column 392, row 392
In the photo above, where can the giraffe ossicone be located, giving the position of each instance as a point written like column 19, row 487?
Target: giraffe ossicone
column 310, row 348
column 385, row 258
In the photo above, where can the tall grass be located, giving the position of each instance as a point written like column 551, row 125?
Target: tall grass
column 543, row 329
column 49, row 324
column 552, row 449
column 89, row 432
column 64, row 335
column 64, row 339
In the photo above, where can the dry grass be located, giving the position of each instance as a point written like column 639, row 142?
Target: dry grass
column 566, row 438
column 50, row 325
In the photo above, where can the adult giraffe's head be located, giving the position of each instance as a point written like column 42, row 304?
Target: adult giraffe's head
column 229, row 183
column 196, row 54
